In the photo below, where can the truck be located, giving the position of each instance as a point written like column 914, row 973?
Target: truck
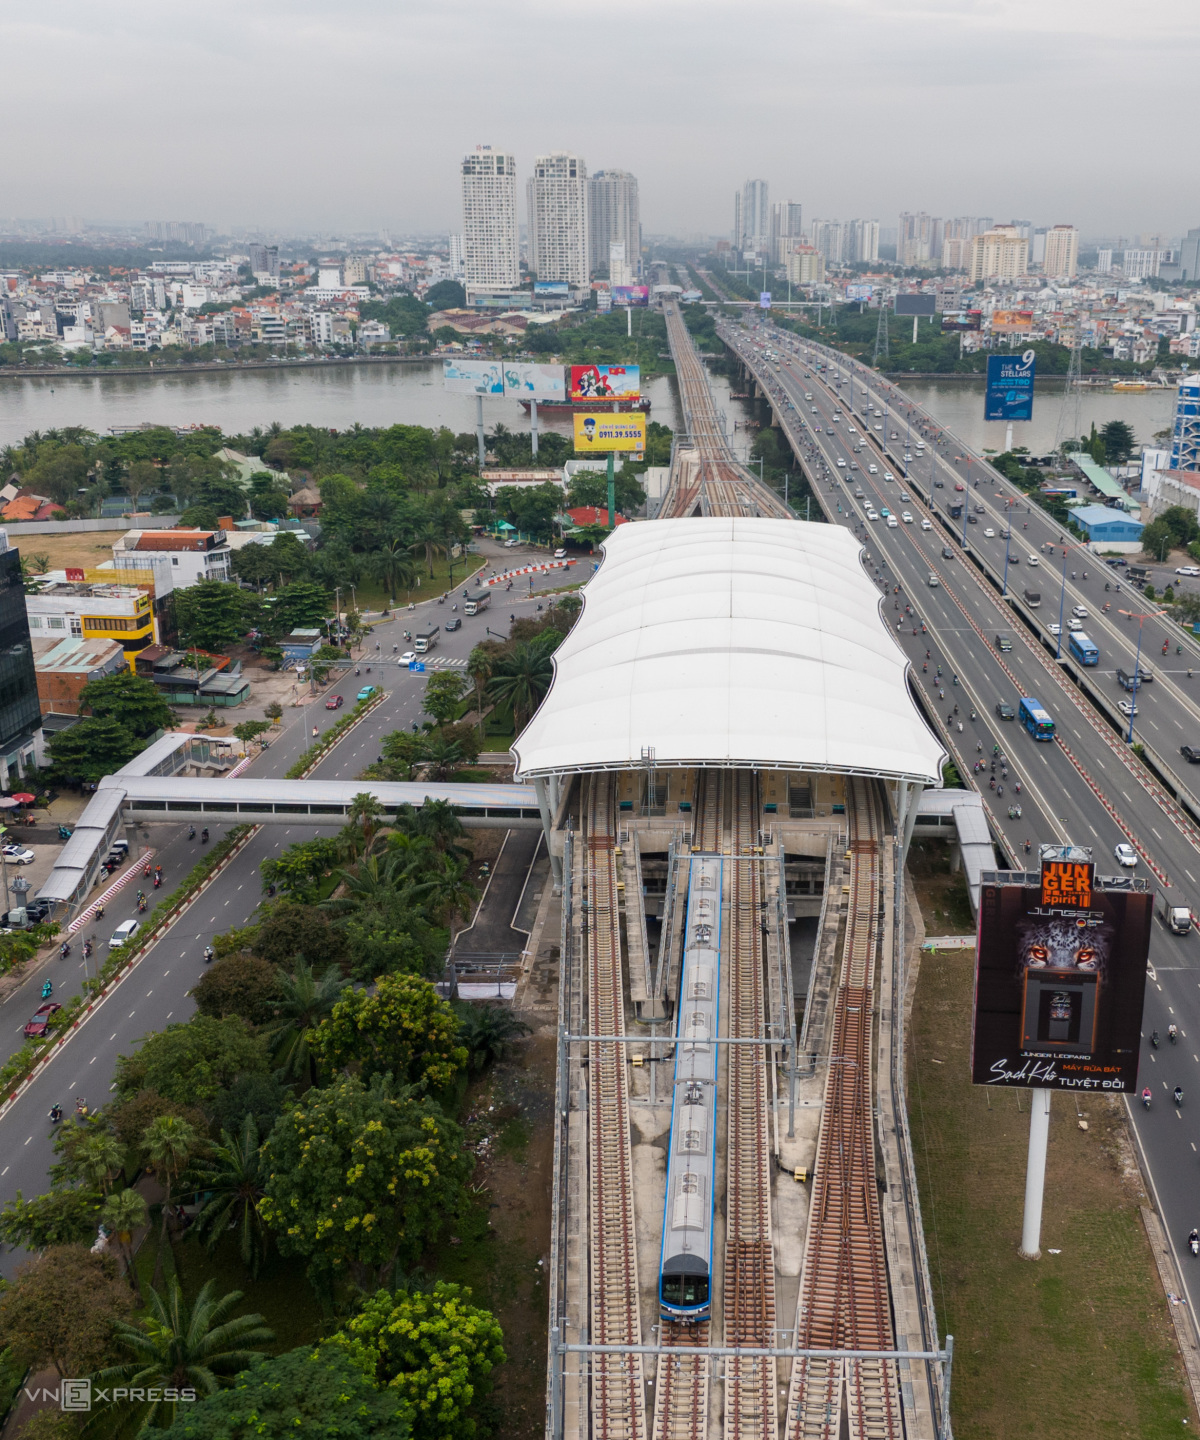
column 955, row 509
column 1127, row 681
column 1178, row 918
column 1137, row 574
column 1033, row 598
column 478, row 603
column 425, row 640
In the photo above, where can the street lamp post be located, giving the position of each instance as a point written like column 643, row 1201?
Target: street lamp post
column 1062, row 600
column 1137, row 663
column 1007, row 543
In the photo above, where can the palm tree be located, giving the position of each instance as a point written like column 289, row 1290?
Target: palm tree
column 363, row 813
column 521, row 679
column 488, row 1032
column 169, row 1143
column 303, row 1003
column 480, row 665
column 451, row 892
column 122, row 1214
column 442, row 755
column 428, row 537
column 234, row 1179
column 99, row 1158
column 178, row 1347
column 392, row 565
column 437, row 821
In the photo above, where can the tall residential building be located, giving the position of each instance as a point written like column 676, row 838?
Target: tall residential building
column 1189, row 256
column 862, row 241
column 1001, row 253
column 806, row 265
column 829, row 240
column 1138, row 264
column 920, row 240
column 20, row 710
column 614, row 218
column 957, row 235
column 752, row 216
column 264, row 260
column 1104, row 260
column 1062, row 252
column 558, row 218
column 1185, row 438
column 787, row 229
column 491, row 257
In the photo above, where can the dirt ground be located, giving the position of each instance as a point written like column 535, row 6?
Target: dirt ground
column 86, row 549
column 1077, row 1345
column 503, row 1250
column 942, row 892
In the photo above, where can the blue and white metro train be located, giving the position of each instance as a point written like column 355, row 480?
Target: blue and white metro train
column 686, row 1264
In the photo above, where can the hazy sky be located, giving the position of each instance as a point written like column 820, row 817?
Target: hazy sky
column 354, row 114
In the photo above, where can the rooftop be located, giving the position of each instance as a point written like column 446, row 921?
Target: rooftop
column 730, row 642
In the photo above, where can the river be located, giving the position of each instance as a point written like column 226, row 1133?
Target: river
column 339, row 395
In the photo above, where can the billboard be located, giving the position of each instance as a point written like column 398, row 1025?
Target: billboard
column 534, row 382
column 551, row 287
column 631, row 294
column 1009, row 394
column 962, row 319
column 764, row 300
column 1012, row 322
column 1060, row 975
column 596, row 434
column 605, row 382
column 915, row 304
column 859, row 292
column 473, row 377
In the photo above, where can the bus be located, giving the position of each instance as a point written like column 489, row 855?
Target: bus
column 1035, row 719
column 479, row 602
column 1083, row 649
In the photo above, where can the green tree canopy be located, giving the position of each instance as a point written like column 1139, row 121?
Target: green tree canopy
column 435, row 1349
column 402, row 1028
column 238, row 984
column 316, row 1393
column 299, row 930
column 443, row 691
column 1119, row 441
column 590, row 487
column 188, row 1063
column 62, row 1310
column 360, row 1178
column 446, row 295
column 214, row 614
column 136, row 703
column 299, row 870
column 92, row 749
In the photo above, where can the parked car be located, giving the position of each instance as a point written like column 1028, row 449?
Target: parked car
column 1187, row 570
column 335, row 702
column 39, row 1025
column 18, row 855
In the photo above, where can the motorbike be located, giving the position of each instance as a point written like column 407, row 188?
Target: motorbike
column 47, row 990
column 55, row 1115
column 1172, row 1034
column 142, row 906
column 87, row 949
column 1146, row 1097
column 1177, row 1095
column 191, row 832
column 1194, row 1243
column 208, row 954
column 1014, row 812
column 157, row 881
column 204, row 836
column 64, row 950
column 1154, row 1041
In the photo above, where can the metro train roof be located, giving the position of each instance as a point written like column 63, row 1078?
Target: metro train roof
column 731, row 642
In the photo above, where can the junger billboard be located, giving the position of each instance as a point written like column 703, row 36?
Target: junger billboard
column 1060, row 976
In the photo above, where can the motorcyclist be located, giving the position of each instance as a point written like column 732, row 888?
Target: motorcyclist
column 1177, row 1094
column 56, row 1114
column 204, row 836
column 1172, row 1033
column 1146, row 1097
column 208, row 953
column 1194, row 1241
column 1154, row 1039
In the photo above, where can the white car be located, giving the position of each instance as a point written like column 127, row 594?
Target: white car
column 872, row 515
column 851, row 430
column 1127, row 707
column 1187, row 570
column 407, row 658
column 18, row 855
column 1074, row 623
column 1126, row 854
column 926, row 524
column 893, row 523
column 887, row 475
column 990, row 533
column 907, row 518
column 874, row 469
column 1054, row 628
column 125, row 931
column 841, row 463
column 560, row 554
column 808, row 394
column 1032, row 560
column 1080, row 612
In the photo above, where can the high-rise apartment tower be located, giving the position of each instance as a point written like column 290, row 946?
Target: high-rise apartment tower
column 491, row 256
column 614, row 218
column 558, row 218
column 1062, row 252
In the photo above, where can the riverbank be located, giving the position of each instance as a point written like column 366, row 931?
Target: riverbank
column 152, row 370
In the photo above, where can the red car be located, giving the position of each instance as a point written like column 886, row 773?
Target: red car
column 40, row 1024
column 335, row 702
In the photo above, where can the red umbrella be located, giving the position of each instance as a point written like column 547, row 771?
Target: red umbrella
column 24, row 799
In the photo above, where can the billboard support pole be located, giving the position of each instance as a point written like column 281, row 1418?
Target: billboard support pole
column 1035, row 1175
column 1008, row 439
column 612, row 494
column 479, row 432
column 533, row 426
column 915, row 318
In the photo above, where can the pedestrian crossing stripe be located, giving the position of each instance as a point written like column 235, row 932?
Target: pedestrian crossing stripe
column 447, row 662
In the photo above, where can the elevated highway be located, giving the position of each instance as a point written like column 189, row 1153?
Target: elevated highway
column 1090, row 788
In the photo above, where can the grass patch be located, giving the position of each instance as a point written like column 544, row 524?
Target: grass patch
column 945, row 900
column 281, row 1293
column 372, row 596
column 1078, row 1344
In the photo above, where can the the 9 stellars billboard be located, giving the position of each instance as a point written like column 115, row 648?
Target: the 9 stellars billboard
column 1060, row 976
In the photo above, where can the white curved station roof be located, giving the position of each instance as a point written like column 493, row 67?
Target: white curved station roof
column 730, row 642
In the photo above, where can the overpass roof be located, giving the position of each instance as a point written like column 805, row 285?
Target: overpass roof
column 731, row 642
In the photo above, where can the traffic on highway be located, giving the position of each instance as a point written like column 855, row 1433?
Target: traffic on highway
column 976, row 654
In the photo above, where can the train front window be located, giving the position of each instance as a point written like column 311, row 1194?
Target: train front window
column 685, row 1290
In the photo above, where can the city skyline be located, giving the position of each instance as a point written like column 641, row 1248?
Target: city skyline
column 953, row 82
